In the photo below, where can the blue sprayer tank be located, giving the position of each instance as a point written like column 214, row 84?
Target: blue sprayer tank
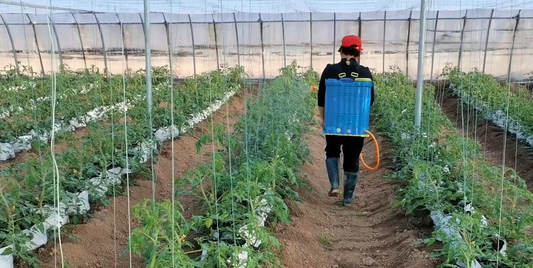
column 347, row 106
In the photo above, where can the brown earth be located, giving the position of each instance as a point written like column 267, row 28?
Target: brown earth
column 369, row 233
column 102, row 240
column 518, row 155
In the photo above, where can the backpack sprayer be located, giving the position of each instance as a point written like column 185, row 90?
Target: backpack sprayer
column 348, row 110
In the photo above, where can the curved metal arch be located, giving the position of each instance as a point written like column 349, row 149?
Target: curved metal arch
column 59, row 51
column 283, row 40
column 169, row 43
column 462, row 37
column 103, row 43
column 216, row 41
column 512, row 46
column 487, row 40
column 12, row 44
column 261, row 31
column 81, row 40
column 409, row 20
column 237, row 39
column 142, row 23
column 433, row 45
column 193, row 45
column 37, row 44
column 384, row 37
column 334, row 35
column 123, row 33
column 360, row 25
column 360, row 29
column 311, row 39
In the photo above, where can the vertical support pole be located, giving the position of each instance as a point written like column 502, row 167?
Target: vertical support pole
column 81, row 40
column 421, row 60
column 169, row 43
column 360, row 30
column 237, row 37
column 461, row 42
column 408, row 41
column 59, row 51
column 512, row 46
column 311, row 39
column 487, row 41
column 360, row 26
column 36, row 44
column 193, row 45
column 334, row 35
column 283, row 40
column 103, row 43
column 384, row 37
column 262, row 46
column 12, row 44
column 216, row 41
column 143, row 26
column 433, row 45
column 123, row 33
column 148, row 59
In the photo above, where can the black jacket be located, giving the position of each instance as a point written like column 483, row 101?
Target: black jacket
column 333, row 71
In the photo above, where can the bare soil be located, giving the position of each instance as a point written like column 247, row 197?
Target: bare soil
column 495, row 143
column 102, row 240
column 369, row 233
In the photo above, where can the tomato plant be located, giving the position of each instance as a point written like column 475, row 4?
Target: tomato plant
column 244, row 186
column 445, row 173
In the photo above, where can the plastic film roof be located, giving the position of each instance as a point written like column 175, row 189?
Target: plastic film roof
column 254, row 6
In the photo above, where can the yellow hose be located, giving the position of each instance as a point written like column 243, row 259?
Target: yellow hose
column 314, row 88
column 377, row 153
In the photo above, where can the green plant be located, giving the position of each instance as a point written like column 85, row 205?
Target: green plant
column 250, row 175
column 107, row 143
column 445, row 172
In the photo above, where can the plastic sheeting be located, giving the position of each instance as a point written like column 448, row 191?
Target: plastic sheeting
column 255, row 6
column 263, row 43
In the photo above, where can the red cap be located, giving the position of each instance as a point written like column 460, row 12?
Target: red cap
column 352, row 40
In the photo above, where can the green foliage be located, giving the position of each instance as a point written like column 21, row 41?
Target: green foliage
column 444, row 171
column 490, row 97
column 110, row 142
column 249, row 178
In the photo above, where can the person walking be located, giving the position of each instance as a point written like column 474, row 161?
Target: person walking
column 348, row 66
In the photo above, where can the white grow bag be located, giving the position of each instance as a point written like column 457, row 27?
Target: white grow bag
column 6, row 261
column 38, row 236
column 78, row 203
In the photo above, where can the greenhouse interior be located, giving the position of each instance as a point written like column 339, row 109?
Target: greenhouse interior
column 196, row 134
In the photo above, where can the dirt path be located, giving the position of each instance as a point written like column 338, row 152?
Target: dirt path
column 368, row 234
column 518, row 155
column 101, row 241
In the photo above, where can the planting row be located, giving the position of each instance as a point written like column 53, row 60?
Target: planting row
column 81, row 97
column 45, row 192
column 241, row 190
column 509, row 109
column 483, row 214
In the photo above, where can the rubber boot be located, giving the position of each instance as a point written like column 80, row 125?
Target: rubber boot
column 350, row 184
column 332, row 166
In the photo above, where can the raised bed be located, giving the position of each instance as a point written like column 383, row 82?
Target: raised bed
column 506, row 106
column 482, row 214
column 88, row 170
column 242, row 190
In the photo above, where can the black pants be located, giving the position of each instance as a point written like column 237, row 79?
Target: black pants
column 351, row 148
